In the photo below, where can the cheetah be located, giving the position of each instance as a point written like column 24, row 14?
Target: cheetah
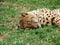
column 39, row 18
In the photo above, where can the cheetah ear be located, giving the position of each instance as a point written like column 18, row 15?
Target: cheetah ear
column 24, row 14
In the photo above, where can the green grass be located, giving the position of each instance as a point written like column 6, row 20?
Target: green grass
column 9, row 17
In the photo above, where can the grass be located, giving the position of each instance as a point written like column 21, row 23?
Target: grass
column 9, row 16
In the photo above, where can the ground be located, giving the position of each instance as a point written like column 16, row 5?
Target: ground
column 9, row 16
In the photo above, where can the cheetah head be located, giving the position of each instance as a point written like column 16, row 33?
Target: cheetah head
column 29, row 20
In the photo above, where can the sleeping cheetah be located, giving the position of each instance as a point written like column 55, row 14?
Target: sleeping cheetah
column 38, row 18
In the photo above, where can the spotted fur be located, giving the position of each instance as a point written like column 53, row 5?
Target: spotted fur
column 39, row 18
